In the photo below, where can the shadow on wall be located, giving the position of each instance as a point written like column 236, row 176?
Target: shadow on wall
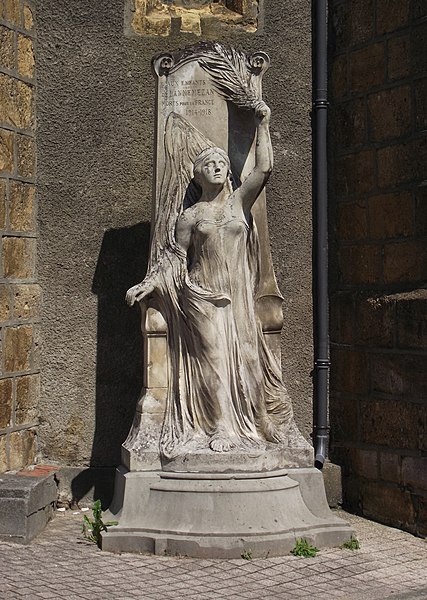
column 121, row 264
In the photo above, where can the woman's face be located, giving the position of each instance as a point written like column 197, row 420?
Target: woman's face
column 214, row 169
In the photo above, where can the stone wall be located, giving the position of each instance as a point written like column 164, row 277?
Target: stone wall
column 379, row 261
column 95, row 137
column 19, row 291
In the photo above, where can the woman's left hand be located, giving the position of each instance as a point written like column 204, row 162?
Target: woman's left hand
column 262, row 112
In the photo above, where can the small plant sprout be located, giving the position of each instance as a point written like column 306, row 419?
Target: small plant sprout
column 351, row 544
column 247, row 555
column 92, row 528
column 304, row 548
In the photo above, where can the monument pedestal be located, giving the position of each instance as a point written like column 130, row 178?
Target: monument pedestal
column 221, row 515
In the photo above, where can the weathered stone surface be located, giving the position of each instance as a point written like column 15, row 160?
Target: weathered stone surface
column 26, row 150
column 26, row 505
column 375, row 321
column 394, row 122
column 6, row 150
column 28, row 17
column 350, row 128
column 6, row 402
column 405, row 262
column 22, row 206
column 26, row 300
column 26, row 60
column 352, row 221
column 18, row 344
column 5, row 303
column 391, row 215
column 388, row 503
column 3, row 203
column 412, row 319
column 22, row 449
column 339, row 77
column 19, row 257
column 394, row 424
column 3, row 453
column 420, row 90
column 27, row 397
column 355, row 174
column 414, row 472
column 364, row 463
column 12, row 11
column 398, row 64
column 363, row 79
column 360, row 264
column 16, row 102
column 390, row 466
column 342, row 318
column 392, row 15
column 7, row 50
column 401, row 163
column 349, row 371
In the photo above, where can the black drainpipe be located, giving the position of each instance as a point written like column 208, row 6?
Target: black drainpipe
column 320, row 234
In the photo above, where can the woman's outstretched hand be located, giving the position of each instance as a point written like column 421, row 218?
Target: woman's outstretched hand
column 139, row 292
column 262, row 112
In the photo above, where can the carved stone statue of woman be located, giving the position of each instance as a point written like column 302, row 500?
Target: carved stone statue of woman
column 225, row 389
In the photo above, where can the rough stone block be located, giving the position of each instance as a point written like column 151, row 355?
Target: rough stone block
column 12, row 11
column 350, row 123
column 391, row 215
column 393, row 423
column 341, row 18
column 3, row 204
column 412, row 320
column 390, row 466
column 352, row 222
column 363, row 78
column 344, row 418
column 26, row 60
column 349, row 371
column 18, row 344
column 333, row 485
column 355, row 173
column 419, row 10
column 420, row 92
column 405, row 262
column 26, row 505
column 28, row 17
column 399, row 375
column 5, row 303
column 27, row 397
column 16, row 102
column 362, row 21
column 414, row 472
column 6, row 150
column 22, row 449
column 6, row 402
column 360, row 264
column 19, row 256
column 26, row 300
column 22, row 206
column 401, row 163
column 388, row 504
column 421, row 211
column 375, row 319
column 394, row 122
column 3, row 453
column 342, row 318
column 392, row 15
column 26, row 151
column 339, row 77
column 364, row 463
column 417, row 48
column 398, row 65
column 7, row 49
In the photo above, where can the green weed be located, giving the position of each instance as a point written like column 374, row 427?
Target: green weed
column 304, row 548
column 92, row 528
column 351, row 544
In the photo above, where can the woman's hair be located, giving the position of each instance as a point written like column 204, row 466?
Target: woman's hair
column 200, row 159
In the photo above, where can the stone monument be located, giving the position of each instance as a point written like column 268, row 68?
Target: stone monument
column 214, row 464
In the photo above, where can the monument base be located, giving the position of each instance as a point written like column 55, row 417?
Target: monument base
column 221, row 515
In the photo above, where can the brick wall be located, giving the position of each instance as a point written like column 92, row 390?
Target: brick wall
column 19, row 292
column 378, row 90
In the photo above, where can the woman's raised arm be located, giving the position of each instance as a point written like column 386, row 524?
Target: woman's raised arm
column 257, row 178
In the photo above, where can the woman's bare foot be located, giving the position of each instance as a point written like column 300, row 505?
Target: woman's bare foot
column 220, row 442
column 270, row 431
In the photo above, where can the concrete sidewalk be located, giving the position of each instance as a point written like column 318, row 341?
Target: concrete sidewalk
column 60, row 564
